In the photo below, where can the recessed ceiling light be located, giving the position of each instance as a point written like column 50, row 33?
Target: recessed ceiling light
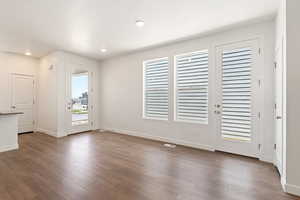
column 103, row 50
column 28, row 53
column 139, row 23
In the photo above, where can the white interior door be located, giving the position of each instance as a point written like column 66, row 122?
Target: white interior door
column 79, row 100
column 22, row 100
column 278, row 108
column 237, row 98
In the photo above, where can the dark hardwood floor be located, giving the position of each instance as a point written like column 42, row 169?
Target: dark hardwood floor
column 111, row 166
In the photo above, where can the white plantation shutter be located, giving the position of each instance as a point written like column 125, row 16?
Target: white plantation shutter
column 192, row 87
column 156, row 89
column 236, row 94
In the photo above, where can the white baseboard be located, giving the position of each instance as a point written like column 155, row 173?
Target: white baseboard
column 161, row 139
column 52, row 133
column 9, row 147
column 48, row 132
column 292, row 189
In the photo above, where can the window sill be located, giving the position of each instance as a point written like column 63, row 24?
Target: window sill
column 153, row 118
column 191, row 122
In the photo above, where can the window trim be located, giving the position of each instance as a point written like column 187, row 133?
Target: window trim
column 144, row 90
column 202, row 122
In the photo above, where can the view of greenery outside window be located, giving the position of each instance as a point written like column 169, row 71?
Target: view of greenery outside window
column 79, row 99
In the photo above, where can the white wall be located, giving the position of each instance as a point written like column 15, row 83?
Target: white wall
column 13, row 63
column 47, row 95
column 288, row 28
column 53, row 90
column 292, row 97
column 121, row 91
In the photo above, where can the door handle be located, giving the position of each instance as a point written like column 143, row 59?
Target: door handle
column 69, row 105
column 278, row 117
column 13, row 107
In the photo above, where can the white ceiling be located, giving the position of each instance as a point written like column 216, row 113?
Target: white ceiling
column 86, row 26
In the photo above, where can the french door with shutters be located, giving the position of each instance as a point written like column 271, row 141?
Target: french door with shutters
column 22, row 100
column 237, row 98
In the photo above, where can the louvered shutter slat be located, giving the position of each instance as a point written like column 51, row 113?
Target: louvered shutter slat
column 192, row 87
column 156, row 89
column 236, row 94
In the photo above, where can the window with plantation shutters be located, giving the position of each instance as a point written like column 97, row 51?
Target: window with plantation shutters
column 191, row 87
column 236, row 94
column 156, row 89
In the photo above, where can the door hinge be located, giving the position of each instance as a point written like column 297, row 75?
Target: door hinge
column 259, row 83
column 92, row 107
column 259, row 51
column 258, row 115
column 33, row 122
column 92, row 123
column 275, row 106
column 259, row 147
column 275, row 65
column 275, row 146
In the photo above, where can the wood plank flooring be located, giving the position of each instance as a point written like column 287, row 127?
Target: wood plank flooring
column 107, row 166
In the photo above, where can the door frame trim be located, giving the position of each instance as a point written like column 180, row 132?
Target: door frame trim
column 91, row 92
column 278, row 52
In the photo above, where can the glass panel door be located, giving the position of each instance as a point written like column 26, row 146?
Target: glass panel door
column 80, row 99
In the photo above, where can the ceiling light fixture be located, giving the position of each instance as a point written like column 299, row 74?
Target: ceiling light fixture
column 139, row 23
column 103, row 50
column 28, row 53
